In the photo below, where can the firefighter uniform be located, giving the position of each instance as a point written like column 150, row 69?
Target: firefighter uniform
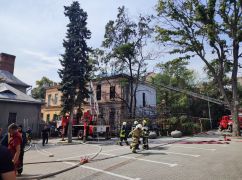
column 136, row 133
column 133, row 127
column 123, row 134
column 145, row 135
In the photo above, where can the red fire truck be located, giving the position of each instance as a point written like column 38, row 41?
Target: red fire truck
column 89, row 125
column 226, row 122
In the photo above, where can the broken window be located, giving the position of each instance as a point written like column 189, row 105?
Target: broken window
column 144, row 102
column 112, row 92
column 99, row 92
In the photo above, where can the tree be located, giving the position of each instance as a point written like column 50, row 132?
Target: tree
column 174, row 73
column 210, row 30
column 39, row 91
column 75, row 72
column 125, row 40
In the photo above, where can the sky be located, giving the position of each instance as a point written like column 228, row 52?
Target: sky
column 33, row 31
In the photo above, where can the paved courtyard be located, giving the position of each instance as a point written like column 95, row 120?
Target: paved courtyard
column 205, row 157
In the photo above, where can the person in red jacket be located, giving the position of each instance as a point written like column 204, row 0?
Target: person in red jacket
column 14, row 143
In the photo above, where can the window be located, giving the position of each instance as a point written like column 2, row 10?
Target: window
column 144, row 102
column 49, row 99
column 56, row 99
column 99, row 92
column 12, row 118
column 112, row 118
column 48, row 117
column 112, row 92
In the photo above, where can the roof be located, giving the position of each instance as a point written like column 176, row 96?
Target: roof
column 115, row 76
column 9, row 78
column 10, row 94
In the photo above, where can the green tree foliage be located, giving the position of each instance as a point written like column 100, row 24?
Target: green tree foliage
column 125, row 41
column 210, row 30
column 174, row 73
column 75, row 72
column 39, row 91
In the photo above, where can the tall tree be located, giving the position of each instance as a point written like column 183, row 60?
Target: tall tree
column 125, row 40
column 174, row 73
column 39, row 91
column 75, row 72
column 210, row 30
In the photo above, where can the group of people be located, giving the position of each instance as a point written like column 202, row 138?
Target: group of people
column 138, row 131
column 12, row 152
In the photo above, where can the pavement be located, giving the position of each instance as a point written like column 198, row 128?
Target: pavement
column 202, row 157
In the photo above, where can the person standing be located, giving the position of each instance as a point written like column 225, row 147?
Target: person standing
column 14, row 143
column 136, row 133
column 45, row 135
column 21, row 156
column 145, row 135
column 6, row 165
column 123, row 134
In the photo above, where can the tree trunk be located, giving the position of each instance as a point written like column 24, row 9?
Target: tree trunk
column 131, row 98
column 135, row 101
column 69, row 133
column 236, row 125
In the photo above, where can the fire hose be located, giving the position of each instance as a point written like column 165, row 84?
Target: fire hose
column 79, row 163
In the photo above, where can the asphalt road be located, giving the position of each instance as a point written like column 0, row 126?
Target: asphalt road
column 188, row 159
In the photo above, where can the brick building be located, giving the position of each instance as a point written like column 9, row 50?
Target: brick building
column 112, row 97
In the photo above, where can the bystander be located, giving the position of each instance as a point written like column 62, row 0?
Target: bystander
column 45, row 135
column 21, row 156
column 14, row 143
column 6, row 165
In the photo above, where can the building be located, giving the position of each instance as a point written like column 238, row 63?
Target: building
column 52, row 108
column 240, row 81
column 112, row 95
column 15, row 105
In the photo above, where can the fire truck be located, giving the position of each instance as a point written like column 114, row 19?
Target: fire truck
column 88, row 126
column 226, row 122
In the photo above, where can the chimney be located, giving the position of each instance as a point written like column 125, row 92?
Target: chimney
column 7, row 62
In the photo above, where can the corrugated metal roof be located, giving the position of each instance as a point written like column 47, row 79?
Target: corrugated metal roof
column 11, row 79
column 10, row 94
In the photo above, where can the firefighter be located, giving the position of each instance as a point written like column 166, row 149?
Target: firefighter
column 123, row 134
column 134, row 125
column 145, row 135
column 136, row 133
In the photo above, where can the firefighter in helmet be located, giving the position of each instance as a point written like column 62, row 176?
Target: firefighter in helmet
column 123, row 134
column 136, row 133
column 134, row 125
column 145, row 134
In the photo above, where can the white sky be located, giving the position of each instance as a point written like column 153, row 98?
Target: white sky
column 33, row 31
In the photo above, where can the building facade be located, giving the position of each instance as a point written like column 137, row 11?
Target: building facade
column 112, row 96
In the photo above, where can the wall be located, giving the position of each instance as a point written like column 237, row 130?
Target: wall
column 150, row 95
column 105, row 87
column 27, row 114
column 149, row 110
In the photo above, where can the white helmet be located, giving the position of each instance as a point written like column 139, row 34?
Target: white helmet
column 124, row 123
column 139, row 126
column 135, row 122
